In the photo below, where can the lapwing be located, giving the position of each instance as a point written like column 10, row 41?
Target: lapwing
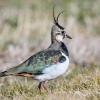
column 47, row 64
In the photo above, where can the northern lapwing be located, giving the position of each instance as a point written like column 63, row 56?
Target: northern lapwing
column 47, row 64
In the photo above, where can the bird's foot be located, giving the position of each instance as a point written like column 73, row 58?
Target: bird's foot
column 43, row 85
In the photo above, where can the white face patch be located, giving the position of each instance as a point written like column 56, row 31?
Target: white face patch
column 59, row 38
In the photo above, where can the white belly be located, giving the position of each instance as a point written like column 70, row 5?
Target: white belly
column 54, row 71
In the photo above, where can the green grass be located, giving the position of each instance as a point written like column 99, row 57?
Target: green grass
column 81, row 83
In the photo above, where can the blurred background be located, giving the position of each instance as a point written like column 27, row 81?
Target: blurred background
column 25, row 27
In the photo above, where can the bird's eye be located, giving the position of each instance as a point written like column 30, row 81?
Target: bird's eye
column 63, row 33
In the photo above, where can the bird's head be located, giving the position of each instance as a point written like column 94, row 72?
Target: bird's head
column 58, row 32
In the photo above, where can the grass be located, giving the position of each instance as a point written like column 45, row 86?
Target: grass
column 81, row 83
column 23, row 32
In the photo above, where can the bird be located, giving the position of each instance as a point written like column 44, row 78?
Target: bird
column 47, row 64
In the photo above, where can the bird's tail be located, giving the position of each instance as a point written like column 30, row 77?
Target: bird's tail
column 2, row 74
column 14, row 70
column 10, row 71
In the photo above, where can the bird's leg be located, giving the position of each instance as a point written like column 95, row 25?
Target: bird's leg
column 40, row 87
column 45, row 86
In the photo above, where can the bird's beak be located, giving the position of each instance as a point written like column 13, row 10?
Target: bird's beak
column 67, row 36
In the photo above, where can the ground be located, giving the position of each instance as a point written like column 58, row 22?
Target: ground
column 25, row 27
column 79, row 84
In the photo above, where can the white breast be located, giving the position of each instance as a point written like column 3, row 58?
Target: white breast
column 54, row 70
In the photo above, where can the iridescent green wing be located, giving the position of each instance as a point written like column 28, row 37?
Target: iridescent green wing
column 36, row 63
